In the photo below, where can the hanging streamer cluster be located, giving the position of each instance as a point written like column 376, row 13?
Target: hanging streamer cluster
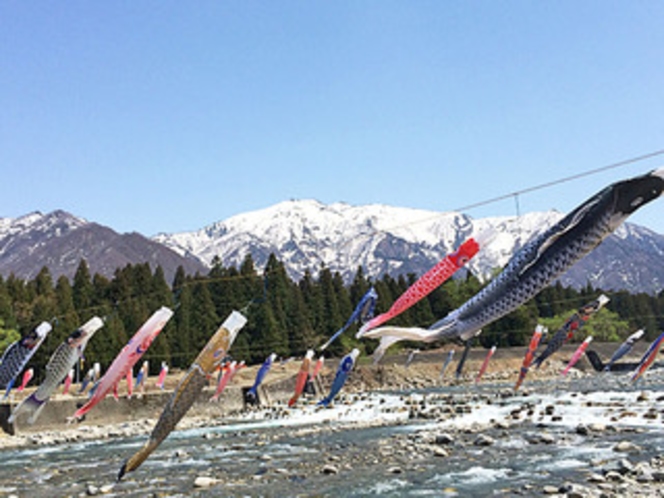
column 539, row 262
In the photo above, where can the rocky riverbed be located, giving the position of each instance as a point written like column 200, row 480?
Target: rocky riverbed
column 586, row 436
column 396, row 431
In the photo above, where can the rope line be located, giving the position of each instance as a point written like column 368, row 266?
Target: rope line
column 529, row 190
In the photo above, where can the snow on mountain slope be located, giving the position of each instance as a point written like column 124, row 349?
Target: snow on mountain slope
column 59, row 241
column 383, row 239
column 305, row 234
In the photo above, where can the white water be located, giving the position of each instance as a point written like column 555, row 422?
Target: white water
column 294, row 437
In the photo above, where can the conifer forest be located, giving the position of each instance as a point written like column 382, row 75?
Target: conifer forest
column 285, row 317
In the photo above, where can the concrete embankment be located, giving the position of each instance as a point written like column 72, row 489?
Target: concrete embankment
column 278, row 387
column 148, row 405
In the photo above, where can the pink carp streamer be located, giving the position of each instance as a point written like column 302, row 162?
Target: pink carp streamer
column 162, row 375
column 431, row 280
column 68, row 381
column 127, row 358
column 27, row 377
column 485, row 364
column 302, row 377
column 318, row 367
column 227, row 374
column 224, row 379
column 130, row 382
column 577, row 355
column 530, row 355
column 648, row 358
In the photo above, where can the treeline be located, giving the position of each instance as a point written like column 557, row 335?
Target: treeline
column 285, row 316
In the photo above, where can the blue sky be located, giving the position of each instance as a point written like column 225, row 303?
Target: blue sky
column 165, row 116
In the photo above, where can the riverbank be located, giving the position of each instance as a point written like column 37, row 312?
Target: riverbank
column 128, row 416
column 129, row 411
column 585, row 436
column 395, row 430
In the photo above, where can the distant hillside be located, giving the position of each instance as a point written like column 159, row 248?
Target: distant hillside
column 59, row 241
column 307, row 234
column 383, row 239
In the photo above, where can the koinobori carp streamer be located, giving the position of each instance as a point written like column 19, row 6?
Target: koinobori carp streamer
column 302, row 377
column 648, row 358
column 544, row 258
column 432, row 279
column 530, row 354
column 573, row 324
column 343, row 370
column 17, row 355
column 577, row 355
column 362, row 312
column 59, row 365
column 127, row 358
column 252, row 394
column 189, row 388
column 624, row 348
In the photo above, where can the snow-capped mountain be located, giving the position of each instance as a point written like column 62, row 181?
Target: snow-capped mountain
column 59, row 241
column 306, row 234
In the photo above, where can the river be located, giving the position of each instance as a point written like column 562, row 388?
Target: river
column 376, row 444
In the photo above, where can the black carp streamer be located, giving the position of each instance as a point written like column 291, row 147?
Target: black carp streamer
column 540, row 261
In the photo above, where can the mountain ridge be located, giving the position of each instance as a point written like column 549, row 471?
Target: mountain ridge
column 59, row 240
column 307, row 234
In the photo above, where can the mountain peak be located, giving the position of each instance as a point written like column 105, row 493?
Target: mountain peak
column 306, row 234
column 60, row 240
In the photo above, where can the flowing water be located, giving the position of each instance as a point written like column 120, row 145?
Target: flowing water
column 284, row 454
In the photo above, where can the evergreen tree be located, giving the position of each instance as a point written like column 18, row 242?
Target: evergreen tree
column 250, row 286
column 102, row 294
column 359, row 286
column 44, row 310
column 22, row 298
column 82, row 288
column 313, row 302
column 331, row 318
column 7, row 336
column 264, row 335
column 181, row 336
column 67, row 317
column 222, row 290
column 279, row 298
column 6, row 306
column 400, row 286
column 385, row 297
column 107, row 342
column 159, row 295
column 112, row 337
column 204, row 318
column 645, row 315
column 302, row 336
column 658, row 307
column 444, row 299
